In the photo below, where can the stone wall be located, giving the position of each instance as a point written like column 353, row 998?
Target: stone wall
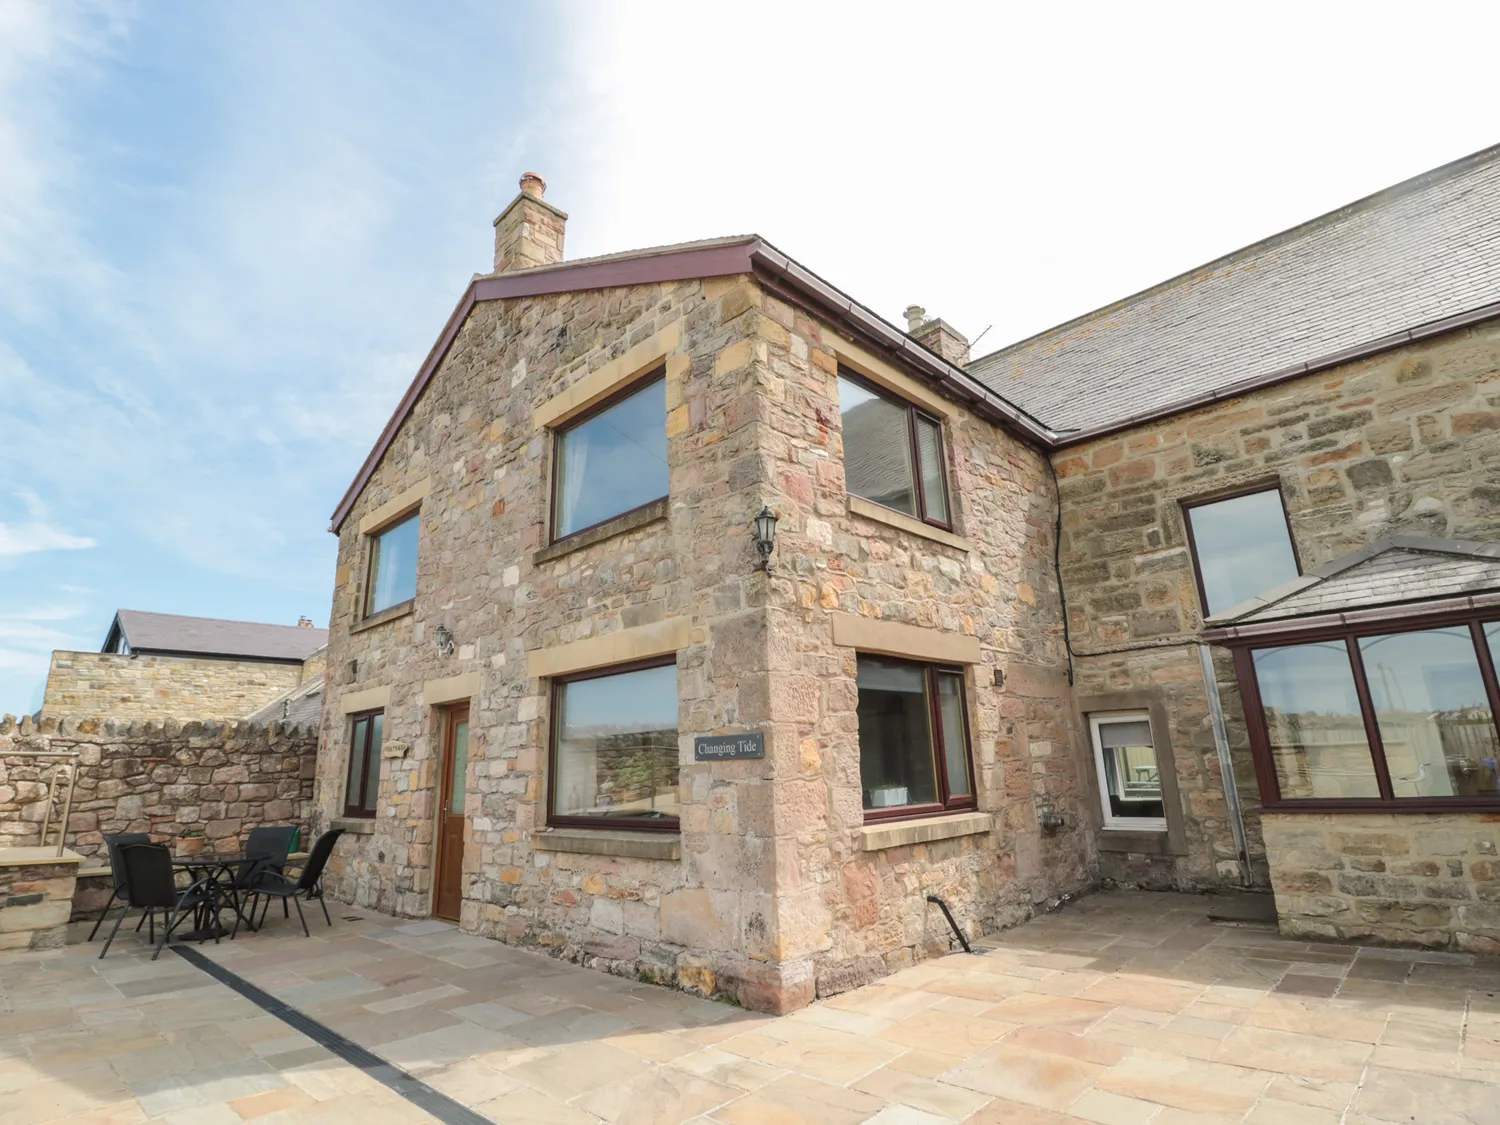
column 774, row 887
column 81, row 685
column 220, row 779
column 1407, row 442
column 1429, row 880
column 36, row 897
column 850, row 902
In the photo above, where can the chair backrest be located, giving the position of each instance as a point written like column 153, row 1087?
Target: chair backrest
column 148, row 875
column 117, row 865
column 318, row 859
column 266, row 850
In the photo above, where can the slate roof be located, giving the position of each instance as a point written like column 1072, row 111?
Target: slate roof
column 210, row 636
column 301, row 705
column 1421, row 251
column 1392, row 572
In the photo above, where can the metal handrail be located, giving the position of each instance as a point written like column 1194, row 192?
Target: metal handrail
column 71, row 757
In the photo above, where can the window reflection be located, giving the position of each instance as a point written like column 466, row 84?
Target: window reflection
column 1313, row 721
column 1434, row 714
column 393, row 566
column 877, row 448
column 1242, row 548
column 614, row 462
column 1129, row 775
column 616, row 752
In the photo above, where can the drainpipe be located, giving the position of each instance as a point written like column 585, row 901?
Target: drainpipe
column 1226, row 766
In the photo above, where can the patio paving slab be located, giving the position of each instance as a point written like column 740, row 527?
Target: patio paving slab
column 1123, row 1008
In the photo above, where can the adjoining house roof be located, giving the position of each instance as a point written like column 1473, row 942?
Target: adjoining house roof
column 1399, row 571
column 301, row 705
column 1363, row 276
column 718, row 257
column 210, row 636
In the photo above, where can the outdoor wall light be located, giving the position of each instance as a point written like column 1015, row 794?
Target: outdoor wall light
column 444, row 640
column 765, row 537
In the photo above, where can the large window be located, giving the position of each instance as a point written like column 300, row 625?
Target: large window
column 913, row 738
column 393, row 565
column 1377, row 719
column 614, row 748
column 611, row 462
column 362, row 787
column 1129, row 775
column 893, row 453
column 1242, row 546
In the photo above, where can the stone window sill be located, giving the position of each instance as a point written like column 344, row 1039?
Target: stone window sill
column 923, row 830
column 609, row 841
column 395, row 613
column 1146, row 841
column 859, row 506
column 355, row 825
column 649, row 513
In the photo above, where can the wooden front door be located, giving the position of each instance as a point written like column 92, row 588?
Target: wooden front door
column 450, row 841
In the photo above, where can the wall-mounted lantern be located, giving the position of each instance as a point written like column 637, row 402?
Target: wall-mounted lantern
column 444, row 640
column 765, row 537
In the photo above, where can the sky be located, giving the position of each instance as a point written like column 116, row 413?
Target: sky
column 229, row 234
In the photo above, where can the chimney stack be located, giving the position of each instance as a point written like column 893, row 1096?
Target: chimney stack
column 937, row 335
column 304, row 622
column 529, row 232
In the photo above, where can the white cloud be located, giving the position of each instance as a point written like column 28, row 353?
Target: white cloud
column 1003, row 163
column 36, row 534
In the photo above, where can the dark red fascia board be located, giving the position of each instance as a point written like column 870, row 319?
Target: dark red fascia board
column 748, row 256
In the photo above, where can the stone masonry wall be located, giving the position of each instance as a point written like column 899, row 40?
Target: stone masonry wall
column 86, row 684
column 36, row 899
column 473, row 438
column 1407, row 442
column 220, row 779
column 856, row 912
column 1429, row 880
column 770, row 892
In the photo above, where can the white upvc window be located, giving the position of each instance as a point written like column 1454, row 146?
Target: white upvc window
column 1129, row 773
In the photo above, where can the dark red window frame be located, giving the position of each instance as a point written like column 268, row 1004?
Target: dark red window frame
column 361, row 750
column 656, row 374
column 913, row 412
column 1260, row 743
column 946, row 802
column 633, row 823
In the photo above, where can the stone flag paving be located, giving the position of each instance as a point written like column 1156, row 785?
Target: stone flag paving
column 1123, row 1008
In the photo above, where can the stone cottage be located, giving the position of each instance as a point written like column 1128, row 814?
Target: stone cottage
column 988, row 642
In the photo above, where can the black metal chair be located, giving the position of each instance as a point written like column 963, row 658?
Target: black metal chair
column 117, row 871
column 266, row 851
column 149, row 885
column 309, row 884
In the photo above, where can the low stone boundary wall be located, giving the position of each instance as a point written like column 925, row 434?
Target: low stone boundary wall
column 219, row 779
column 1429, row 880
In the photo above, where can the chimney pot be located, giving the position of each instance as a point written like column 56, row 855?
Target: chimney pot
column 533, row 185
column 915, row 315
column 937, row 335
column 304, row 622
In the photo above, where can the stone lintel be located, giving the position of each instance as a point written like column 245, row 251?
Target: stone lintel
column 859, row 506
column 369, row 699
column 398, row 505
column 609, row 841
column 452, row 689
column 923, row 830
column 638, row 643
column 602, row 382
column 911, row 641
column 877, row 370
column 354, row 825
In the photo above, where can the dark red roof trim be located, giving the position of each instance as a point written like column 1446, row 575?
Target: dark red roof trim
column 721, row 259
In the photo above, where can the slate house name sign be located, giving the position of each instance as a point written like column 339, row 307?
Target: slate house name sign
column 719, row 747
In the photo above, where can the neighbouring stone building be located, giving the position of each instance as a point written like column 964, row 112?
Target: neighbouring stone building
column 158, row 666
column 998, row 645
